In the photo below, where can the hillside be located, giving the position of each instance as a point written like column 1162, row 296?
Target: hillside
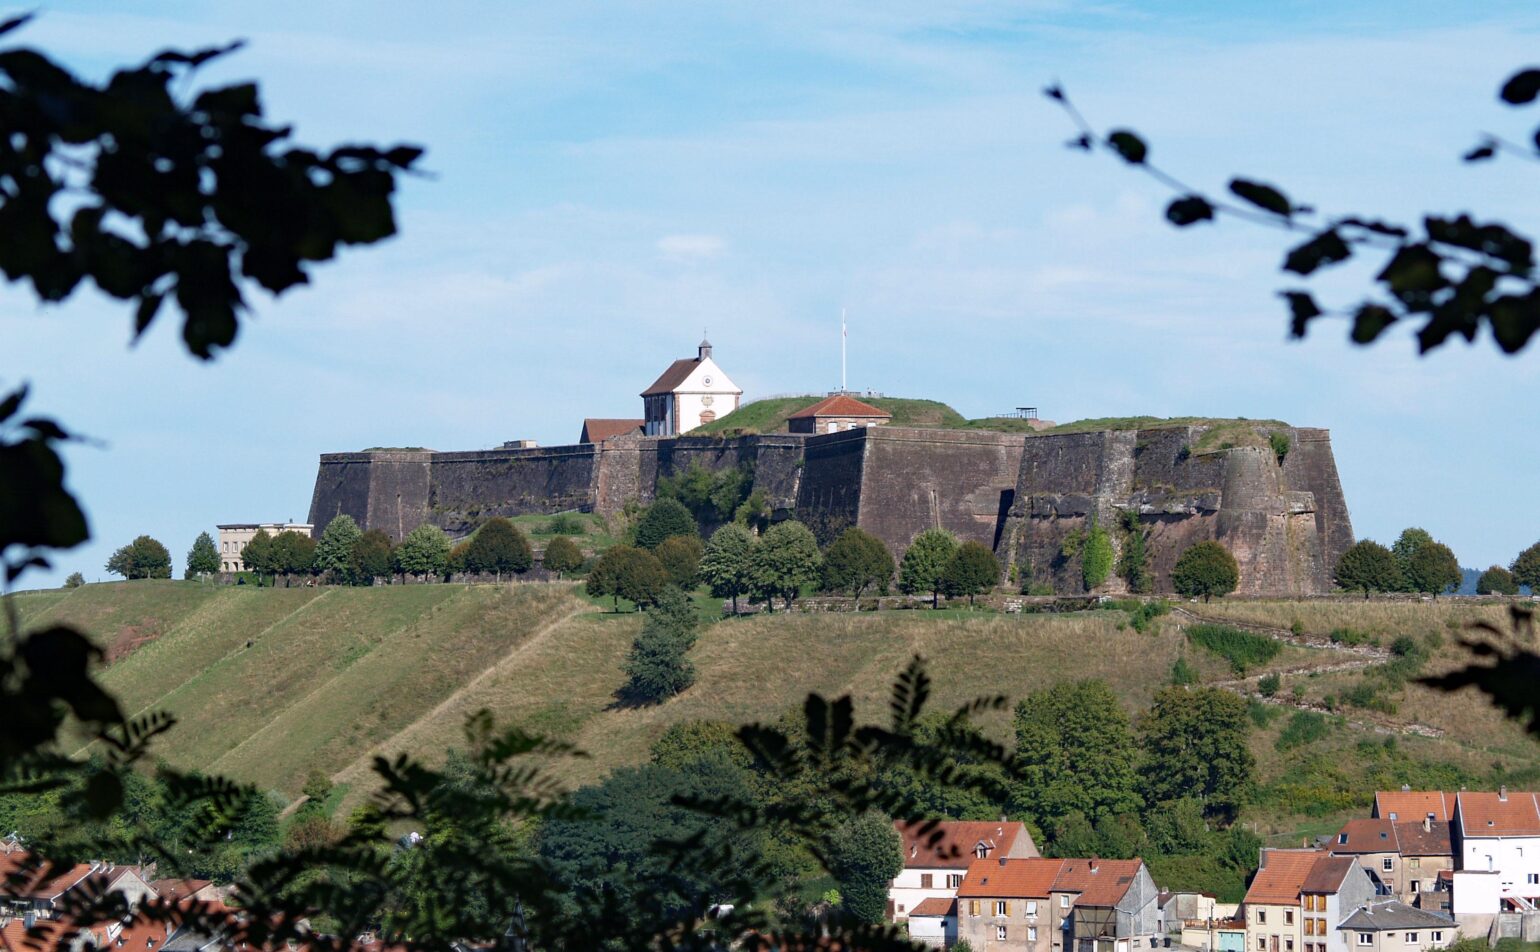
column 271, row 684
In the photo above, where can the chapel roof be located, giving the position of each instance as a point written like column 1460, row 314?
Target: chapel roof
column 671, row 378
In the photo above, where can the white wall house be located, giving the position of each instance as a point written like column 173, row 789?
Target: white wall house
column 1500, row 832
column 936, row 860
column 688, row 394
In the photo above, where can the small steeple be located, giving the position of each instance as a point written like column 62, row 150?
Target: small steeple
column 704, row 350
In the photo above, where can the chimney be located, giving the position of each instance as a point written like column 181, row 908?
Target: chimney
column 29, row 919
column 1406, row 788
column 1002, row 861
column 1427, row 823
column 1093, row 864
column 1502, row 793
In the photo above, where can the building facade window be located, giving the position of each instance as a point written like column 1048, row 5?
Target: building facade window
column 1533, row 879
column 1261, row 917
column 1411, row 937
column 1002, row 908
column 1365, row 938
column 1031, row 933
column 1387, row 864
column 925, row 880
column 1288, row 917
column 1000, row 933
column 1438, row 937
column 1414, row 863
column 1064, row 901
column 1261, row 943
column 953, row 880
column 1031, row 907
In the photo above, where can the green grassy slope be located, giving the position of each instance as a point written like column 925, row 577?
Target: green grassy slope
column 270, row 684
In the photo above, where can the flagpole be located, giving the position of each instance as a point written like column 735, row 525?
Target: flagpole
column 843, row 387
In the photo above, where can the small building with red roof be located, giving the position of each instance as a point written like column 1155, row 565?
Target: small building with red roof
column 938, row 852
column 1299, row 897
column 599, row 429
column 1059, row 905
column 834, row 413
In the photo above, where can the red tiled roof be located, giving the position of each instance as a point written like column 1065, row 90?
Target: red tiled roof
column 840, row 405
column 1486, row 813
column 1282, row 876
column 1327, row 874
column 934, row 906
column 599, row 429
column 1010, row 878
column 951, row 843
column 48, row 934
column 1415, row 841
column 1100, row 882
column 35, row 886
column 1366, row 836
column 175, row 890
column 1414, row 804
column 672, row 377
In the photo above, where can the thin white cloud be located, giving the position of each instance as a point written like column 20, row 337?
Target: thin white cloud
column 692, row 247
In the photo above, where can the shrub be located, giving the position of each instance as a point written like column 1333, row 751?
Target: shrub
column 75, row 580
column 1296, row 628
column 1241, row 648
column 1280, row 444
column 498, row 547
column 566, row 524
column 1262, row 714
column 1096, row 557
column 1349, row 636
column 680, row 556
column 1269, row 684
column 1304, row 727
column 1182, row 672
column 627, row 572
column 656, row 668
column 1205, row 569
column 562, row 556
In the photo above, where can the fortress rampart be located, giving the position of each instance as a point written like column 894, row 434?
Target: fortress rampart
column 1024, row 495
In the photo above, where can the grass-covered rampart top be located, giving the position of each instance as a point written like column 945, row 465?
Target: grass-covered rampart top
column 770, row 416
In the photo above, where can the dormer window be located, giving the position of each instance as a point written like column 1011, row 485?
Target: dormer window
column 981, row 851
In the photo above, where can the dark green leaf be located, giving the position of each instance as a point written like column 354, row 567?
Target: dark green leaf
column 1377, row 227
column 1188, row 210
column 402, row 156
column 145, row 312
column 1370, row 321
column 1054, row 92
column 103, row 794
column 1521, row 87
column 12, row 403
column 1263, row 196
column 238, row 100
column 7, row 26
column 1128, row 145
column 1412, row 272
column 1479, row 153
column 1302, row 308
column 200, row 57
column 1324, row 249
column 1515, row 320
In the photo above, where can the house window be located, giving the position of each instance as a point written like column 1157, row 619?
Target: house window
column 1387, row 864
column 1261, row 917
column 1032, row 933
column 1532, row 878
column 1288, row 917
column 981, row 851
column 925, row 880
column 953, row 880
column 1288, row 945
column 1411, row 937
column 1365, row 938
column 973, row 907
column 1000, row 933
column 1438, row 937
column 1416, row 885
column 1341, row 839
column 1031, row 907
column 1064, row 901
column 1002, row 908
column 1261, row 943
column 1414, row 863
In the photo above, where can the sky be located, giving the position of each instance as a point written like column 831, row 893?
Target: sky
column 609, row 181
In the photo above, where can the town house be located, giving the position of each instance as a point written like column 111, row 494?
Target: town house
column 1404, row 858
column 1298, row 897
column 937, row 854
column 1393, row 926
column 1058, row 905
column 1500, row 832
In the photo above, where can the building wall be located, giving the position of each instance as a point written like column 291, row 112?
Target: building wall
column 1515, row 858
column 1396, row 941
column 909, row 890
column 1282, row 923
column 234, row 538
column 938, row 932
column 981, row 928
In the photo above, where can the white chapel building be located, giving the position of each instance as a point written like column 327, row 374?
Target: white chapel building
column 691, row 392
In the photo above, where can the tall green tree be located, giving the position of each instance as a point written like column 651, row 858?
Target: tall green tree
column 258, row 555
column 1196, row 744
column 1366, row 566
column 1076, row 752
column 203, row 557
column 1526, row 568
column 627, row 572
column 868, row 854
column 499, row 547
column 854, row 562
column 971, row 570
column 1405, row 549
column 681, row 556
column 925, row 561
column 370, row 558
column 664, row 519
column 142, row 558
column 726, row 564
column 1433, row 569
column 424, row 551
column 334, row 550
column 1206, row 569
column 1497, row 581
column 293, row 553
column 657, row 667
column 561, row 556
column 785, row 559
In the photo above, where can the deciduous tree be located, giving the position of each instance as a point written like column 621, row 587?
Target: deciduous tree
column 1497, row 581
column 664, row 519
column 1195, row 742
column 925, row 563
column 856, row 561
column 293, row 553
column 334, row 550
column 1206, row 569
column 868, row 854
column 370, row 558
column 627, row 572
column 258, row 554
column 424, row 551
column 1077, row 752
column 726, row 564
column 971, row 570
column 681, row 557
column 203, row 557
column 74, row 580
column 1526, row 568
column 1405, row 548
column 498, row 547
column 785, row 559
column 1433, row 569
column 562, row 556
column 142, row 558
column 1367, row 567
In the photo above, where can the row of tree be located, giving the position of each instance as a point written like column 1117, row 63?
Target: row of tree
column 1415, row 563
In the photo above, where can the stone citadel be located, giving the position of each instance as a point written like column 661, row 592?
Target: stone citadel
column 1283, row 516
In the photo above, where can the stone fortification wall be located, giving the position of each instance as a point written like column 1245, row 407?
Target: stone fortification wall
column 467, row 489
column 1286, row 524
column 829, row 492
column 917, row 479
column 383, row 489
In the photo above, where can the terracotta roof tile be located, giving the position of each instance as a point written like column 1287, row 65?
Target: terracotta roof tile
column 672, row 377
column 1486, row 813
column 1414, row 804
column 952, row 844
column 1281, row 877
column 841, row 405
column 934, row 906
column 599, row 429
column 1101, row 882
column 37, row 884
column 1010, row 878
column 175, row 890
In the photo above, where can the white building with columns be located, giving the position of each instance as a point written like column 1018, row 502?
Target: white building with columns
column 690, row 393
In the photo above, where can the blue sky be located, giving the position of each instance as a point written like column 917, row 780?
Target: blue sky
column 610, row 179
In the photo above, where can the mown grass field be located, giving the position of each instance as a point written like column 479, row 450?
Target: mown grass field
column 270, row 684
